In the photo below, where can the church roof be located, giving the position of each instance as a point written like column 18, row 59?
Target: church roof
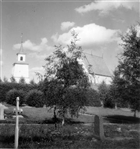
column 23, row 53
column 96, row 64
column 20, row 63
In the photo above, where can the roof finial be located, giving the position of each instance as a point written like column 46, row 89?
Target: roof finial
column 21, row 47
column 21, row 37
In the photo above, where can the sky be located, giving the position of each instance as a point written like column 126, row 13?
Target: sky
column 47, row 23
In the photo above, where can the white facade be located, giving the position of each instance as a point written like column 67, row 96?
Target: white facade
column 21, row 57
column 20, row 68
column 98, row 79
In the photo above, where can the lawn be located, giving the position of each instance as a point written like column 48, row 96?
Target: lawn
column 44, row 113
column 121, row 130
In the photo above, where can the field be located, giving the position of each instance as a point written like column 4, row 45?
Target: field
column 121, row 130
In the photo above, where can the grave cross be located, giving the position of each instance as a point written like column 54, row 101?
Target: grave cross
column 17, row 111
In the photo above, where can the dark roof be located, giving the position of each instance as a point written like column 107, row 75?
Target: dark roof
column 21, row 63
column 96, row 64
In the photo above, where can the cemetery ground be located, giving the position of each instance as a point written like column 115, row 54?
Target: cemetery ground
column 37, row 130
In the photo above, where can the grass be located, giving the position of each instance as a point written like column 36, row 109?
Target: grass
column 34, row 133
column 44, row 113
column 70, row 136
column 109, row 112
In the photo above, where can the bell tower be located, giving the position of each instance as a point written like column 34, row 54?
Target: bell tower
column 21, row 68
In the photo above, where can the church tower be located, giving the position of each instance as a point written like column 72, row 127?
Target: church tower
column 21, row 68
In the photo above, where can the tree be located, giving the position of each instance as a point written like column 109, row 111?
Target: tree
column 35, row 98
column 93, row 98
column 22, row 80
column 0, row 80
column 103, row 91
column 39, row 76
column 32, row 82
column 13, row 94
column 118, row 91
column 63, row 68
column 5, row 80
column 129, row 68
column 12, row 79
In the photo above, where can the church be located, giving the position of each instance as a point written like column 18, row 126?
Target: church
column 93, row 65
column 21, row 67
column 96, row 69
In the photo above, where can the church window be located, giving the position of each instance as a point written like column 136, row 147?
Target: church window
column 21, row 58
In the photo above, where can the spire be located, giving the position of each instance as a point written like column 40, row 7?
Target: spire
column 21, row 47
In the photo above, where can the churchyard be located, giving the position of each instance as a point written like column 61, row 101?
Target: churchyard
column 68, row 89
column 37, row 130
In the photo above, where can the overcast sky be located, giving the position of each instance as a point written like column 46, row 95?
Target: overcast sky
column 48, row 23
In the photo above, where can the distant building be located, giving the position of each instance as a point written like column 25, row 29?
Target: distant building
column 97, row 69
column 21, row 68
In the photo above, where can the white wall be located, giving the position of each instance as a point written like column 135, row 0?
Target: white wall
column 100, row 79
column 97, row 79
column 21, row 70
column 23, row 56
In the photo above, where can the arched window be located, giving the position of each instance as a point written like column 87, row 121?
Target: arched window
column 21, row 58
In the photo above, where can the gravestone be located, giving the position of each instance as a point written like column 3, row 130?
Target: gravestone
column 2, row 108
column 98, row 127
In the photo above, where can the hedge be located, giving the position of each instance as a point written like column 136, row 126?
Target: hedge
column 5, row 87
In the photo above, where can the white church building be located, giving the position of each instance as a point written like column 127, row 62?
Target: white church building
column 21, row 67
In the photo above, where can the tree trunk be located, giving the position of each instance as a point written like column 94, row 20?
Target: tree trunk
column 63, row 116
column 102, row 103
column 63, row 121
column 55, row 118
column 116, row 107
column 134, row 113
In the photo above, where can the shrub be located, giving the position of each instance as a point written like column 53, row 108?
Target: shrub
column 35, row 98
column 93, row 98
column 5, row 87
column 13, row 94
column 103, row 91
column 108, row 101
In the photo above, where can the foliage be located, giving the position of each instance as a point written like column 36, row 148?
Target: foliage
column 35, row 98
column 70, row 136
column 106, row 95
column 22, row 80
column 116, row 91
column 5, row 87
column 108, row 101
column 0, row 80
column 52, row 92
column 63, row 68
column 32, row 82
column 128, row 70
column 5, row 80
column 40, row 77
column 13, row 94
column 12, row 79
column 93, row 98
column 3, row 90
column 75, row 99
column 103, row 90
